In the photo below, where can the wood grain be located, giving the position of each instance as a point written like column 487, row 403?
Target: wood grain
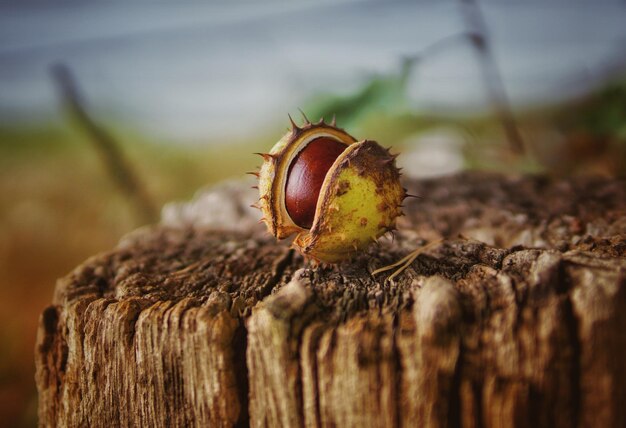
column 516, row 320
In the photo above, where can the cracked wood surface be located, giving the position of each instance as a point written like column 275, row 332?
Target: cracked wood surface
column 517, row 319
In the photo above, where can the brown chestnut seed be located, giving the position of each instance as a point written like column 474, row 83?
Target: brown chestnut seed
column 305, row 177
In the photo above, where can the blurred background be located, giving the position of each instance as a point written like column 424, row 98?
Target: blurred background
column 108, row 110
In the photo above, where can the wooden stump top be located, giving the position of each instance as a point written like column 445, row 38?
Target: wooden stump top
column 517, row 319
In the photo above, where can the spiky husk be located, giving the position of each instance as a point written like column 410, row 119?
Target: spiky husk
column 273, row 173
column 359, row 200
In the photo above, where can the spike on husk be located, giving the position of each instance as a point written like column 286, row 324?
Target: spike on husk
column 306, row 119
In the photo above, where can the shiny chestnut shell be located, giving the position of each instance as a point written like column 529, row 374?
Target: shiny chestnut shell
column 305, row 177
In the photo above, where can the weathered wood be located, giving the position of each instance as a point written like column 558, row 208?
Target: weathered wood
column 517, row 319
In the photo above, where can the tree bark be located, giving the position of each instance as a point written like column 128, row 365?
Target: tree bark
column 518, row 319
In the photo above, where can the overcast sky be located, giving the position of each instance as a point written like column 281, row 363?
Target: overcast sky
column 203, row 70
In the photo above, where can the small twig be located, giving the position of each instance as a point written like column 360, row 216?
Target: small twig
column 118, row 167
column 496, row 91
column 406, row 261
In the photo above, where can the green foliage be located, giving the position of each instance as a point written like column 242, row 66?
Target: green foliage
column 600, row 113
column 587, row 135
column 379, row 93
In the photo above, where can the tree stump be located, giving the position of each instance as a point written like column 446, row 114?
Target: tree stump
column 517, row 319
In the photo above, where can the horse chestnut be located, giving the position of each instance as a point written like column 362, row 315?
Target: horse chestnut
column 338, row 194
column 305, row 177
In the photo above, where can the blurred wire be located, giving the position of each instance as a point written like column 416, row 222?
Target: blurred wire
column 475, row 20
column 119, row 168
